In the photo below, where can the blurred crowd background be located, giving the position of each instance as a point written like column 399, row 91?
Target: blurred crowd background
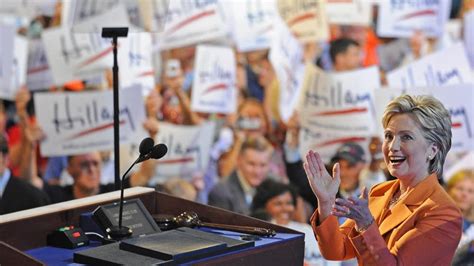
column 225, row 85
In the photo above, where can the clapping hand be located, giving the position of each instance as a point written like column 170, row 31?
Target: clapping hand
column 324, row 185
column 355, row 208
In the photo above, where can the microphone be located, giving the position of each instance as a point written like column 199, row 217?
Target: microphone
column 158, row 151
column 147, row 151
column 146, row 146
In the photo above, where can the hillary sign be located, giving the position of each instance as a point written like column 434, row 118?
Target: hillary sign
column 336, row 108
column 401, row 18
column 192, row 21
column 458, row 101
column 188, row 149
column 252, row 23
column 306, row 19
column 447, row 67
column 82, row 122
column 214, row 88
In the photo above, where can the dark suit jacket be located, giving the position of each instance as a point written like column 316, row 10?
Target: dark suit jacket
column 424, row 228
column 229, row 194
column 20, row 195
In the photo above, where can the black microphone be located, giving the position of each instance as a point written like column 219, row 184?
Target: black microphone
column 146, row 146
column 158, row 151
column 147, row 151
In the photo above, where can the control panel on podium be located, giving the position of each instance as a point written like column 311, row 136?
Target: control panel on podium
column 165, row 231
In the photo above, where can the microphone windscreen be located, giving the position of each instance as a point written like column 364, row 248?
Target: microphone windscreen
column 146, row 146
column 159, row 151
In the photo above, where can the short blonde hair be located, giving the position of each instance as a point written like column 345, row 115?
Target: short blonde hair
column 458, row 177
column 434, row 121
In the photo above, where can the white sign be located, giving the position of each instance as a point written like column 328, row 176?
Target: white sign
column 469, row 35
column 78, row 11
column 188, row 149
column 457, row 99
column 76, row 123
column 39, row 74
column 29, row 8
column 214, row 88
column 252, row 23
column 15, row 73
column 352, row 12
column 286, row 56
column 306, row 19
column 446, row 67
column 139, row 70
column 6, row 59
column 391, row 54
column 336, row 108
column 115, row 17
column 73, row 55
column 400, row 18
column 192, row 21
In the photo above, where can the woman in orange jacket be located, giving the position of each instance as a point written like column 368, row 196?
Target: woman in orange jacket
column 407, row 221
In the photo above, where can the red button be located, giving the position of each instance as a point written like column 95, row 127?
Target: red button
column 76, row 234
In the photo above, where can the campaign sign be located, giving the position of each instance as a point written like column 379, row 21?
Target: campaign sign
column 38, row 75
column 401, row 18
column 188, row 149
column 457, row 99
column 139, row 70
column 286, row 56
column 336, row 108
column 252, row 23
column 82, row 122
column 306, row 19
column 78, row 11
column 352, row 12
column 13, row 75
column 214, row 88
column 469, row 35
column 446, row 67
column 192, row 21
column 6, row 60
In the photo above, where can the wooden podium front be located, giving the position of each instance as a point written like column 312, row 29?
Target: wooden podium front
column 26, row 230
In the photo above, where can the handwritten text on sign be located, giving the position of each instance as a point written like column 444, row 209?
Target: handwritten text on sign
column 77, row 123
column 188, row 149
column 38, row 74
column 192, row 21
column 286, row 56
column 446, row 67
column 252, row 23
column 401, row 18
column 214, row 88
column 306, row 19
column 457, row 99
column 336, row 108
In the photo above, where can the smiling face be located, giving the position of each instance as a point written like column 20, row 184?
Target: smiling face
column 254, row 166
column 405, row 150
column 463, row 193
column 281, row 208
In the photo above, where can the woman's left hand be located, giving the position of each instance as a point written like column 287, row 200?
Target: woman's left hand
column 356, row 209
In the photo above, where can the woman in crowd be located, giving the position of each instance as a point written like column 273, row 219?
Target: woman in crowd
column 276, row 202
column 461, row 189
column 407, row 221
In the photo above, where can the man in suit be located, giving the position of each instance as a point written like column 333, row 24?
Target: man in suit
column 235, row 193
column 16, row 194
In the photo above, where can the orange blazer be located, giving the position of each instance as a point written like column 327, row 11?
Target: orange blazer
column 423, row 228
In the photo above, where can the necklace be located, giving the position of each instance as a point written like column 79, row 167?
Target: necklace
column 396, row 198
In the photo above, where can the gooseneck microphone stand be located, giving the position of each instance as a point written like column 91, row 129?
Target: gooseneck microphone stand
column 114, row 33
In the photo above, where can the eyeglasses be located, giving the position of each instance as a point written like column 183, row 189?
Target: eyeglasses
column 88, row 164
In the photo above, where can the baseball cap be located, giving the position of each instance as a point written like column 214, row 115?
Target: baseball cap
column 351, row 152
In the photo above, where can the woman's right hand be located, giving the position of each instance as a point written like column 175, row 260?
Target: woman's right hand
column 324, row 185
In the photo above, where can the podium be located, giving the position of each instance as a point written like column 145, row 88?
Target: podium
column 26, row 231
